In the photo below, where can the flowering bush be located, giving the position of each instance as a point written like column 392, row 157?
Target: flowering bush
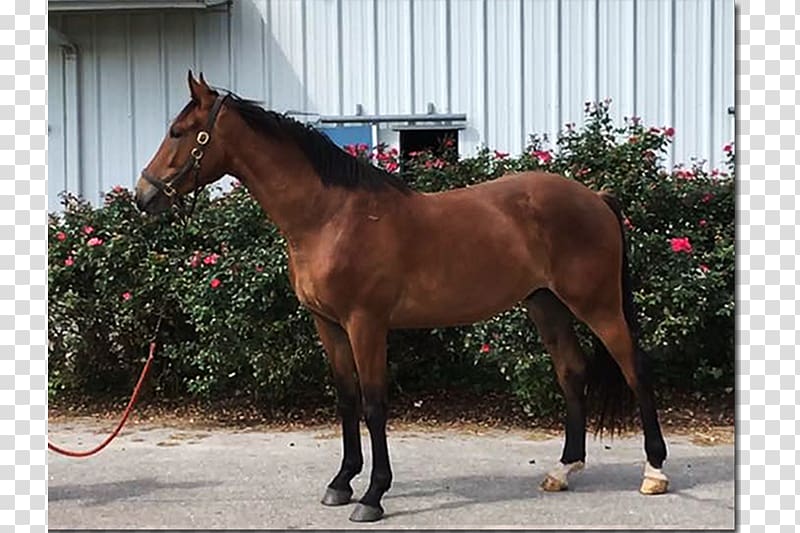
column 230, row 323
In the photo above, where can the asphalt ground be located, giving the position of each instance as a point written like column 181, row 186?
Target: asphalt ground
column 155, row 476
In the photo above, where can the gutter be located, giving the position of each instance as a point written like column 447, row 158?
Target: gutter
column 71, row 109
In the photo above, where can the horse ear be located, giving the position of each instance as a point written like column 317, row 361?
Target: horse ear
column 194, row 87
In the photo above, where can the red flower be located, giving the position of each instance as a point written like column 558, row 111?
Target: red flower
column 449, row 142
column 543, row 156
column 728, row 148
column 351, row 149
column 94, row 241
column 708, row 197
column 500, row 155
column 211, row 259
column 126, row 296
column 362, row 147
column 69, row 261
column 391, row 166
column 88, row 230
column 627, row 223
column 485, row 348
column 583, row 171
column 215, row 283
column 669, row 131
column 685, row 173
column 681, row 244
column 702, row 222
column 633, row 139
column 61, row 236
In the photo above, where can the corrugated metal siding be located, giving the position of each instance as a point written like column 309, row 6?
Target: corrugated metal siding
column 515, row 67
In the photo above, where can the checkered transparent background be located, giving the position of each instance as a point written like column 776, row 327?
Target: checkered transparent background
column 768, row 128
column 767, row 133
column 23, row 260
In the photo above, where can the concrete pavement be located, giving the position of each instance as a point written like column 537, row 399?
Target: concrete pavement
column 161, row 477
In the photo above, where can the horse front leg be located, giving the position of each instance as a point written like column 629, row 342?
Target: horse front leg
column 368, row 340
column 348, row 400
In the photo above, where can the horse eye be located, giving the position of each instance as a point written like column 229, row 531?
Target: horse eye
column 174, row 133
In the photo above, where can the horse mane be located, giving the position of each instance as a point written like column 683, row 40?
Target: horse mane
column 334, row 166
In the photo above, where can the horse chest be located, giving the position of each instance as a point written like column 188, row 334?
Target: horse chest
column 313, row 286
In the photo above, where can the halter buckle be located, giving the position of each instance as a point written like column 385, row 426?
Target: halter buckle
column 202, row 138
column 168, row 190
column 197, row 153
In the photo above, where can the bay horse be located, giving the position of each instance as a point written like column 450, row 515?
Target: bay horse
column 367, row 254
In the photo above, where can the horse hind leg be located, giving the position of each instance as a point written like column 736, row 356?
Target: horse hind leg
column 614, row 332
column 555, row 325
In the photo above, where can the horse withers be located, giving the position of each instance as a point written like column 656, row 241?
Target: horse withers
column 367, row 254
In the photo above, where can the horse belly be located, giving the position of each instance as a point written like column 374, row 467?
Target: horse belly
column 463, row 294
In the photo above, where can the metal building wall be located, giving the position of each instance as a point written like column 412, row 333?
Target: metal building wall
column 513, row 66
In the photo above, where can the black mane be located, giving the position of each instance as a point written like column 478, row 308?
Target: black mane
column 334, row 166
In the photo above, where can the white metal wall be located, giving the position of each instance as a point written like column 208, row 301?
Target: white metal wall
column 513, row 66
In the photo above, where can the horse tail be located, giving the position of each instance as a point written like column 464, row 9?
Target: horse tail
column 607, row 388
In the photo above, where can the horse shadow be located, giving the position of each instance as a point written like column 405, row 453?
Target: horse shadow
column 102, row 493
column 597, row 479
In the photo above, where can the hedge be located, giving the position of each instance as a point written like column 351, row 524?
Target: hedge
column 231, row 325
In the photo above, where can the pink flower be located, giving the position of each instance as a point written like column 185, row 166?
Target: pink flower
column 259, row 268
column 118, row 189
column 215, row 283
column 633, row 139
column 485, row 348
column 704, row 268
column 707, row 198
column 126, row 296
column 211, row 259
column 94, row 241
column 702, row 222
column 88, row 230
column 362, row 147
column 61, row 236
column 627, row 222
column 500, row 155
column 194, row 262
column 543, row 156
column 728, row 148
column 392, row 166
column 681, row 244
column 449, row 142
column 669, row 131
column 685, row 173
column 351, row 149
column 69, row 261
column 583, row 171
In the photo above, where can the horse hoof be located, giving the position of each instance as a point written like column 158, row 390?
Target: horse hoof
column 366, row 513
column 551, row 484
column 654, row 486
column 334, row 497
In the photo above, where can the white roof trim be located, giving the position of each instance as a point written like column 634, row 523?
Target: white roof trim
column 116, row 5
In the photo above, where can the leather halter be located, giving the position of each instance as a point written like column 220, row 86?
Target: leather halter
column 168, row 185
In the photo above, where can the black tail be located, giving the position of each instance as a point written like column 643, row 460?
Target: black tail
column 607, row 388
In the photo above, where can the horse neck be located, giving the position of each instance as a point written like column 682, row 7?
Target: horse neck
column 284, row 183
